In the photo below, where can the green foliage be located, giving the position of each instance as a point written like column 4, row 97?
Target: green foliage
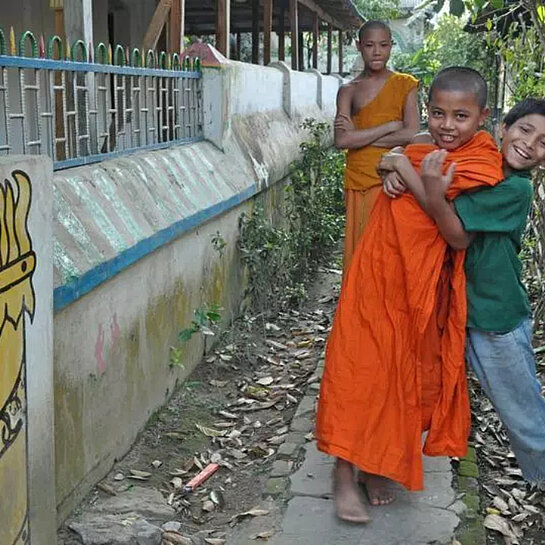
column 448, row 44
column 218, row 242
column 522, row 52
column 378, row 9
column 205, row 321
column 176, row 354
column 279, row 259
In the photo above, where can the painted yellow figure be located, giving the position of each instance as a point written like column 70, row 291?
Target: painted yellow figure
column 17, row 264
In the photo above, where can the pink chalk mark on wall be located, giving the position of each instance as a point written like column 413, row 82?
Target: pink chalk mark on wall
column 99, row 350
column 114, row 328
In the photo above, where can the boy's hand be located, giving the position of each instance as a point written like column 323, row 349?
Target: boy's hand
column 393, row 185
column 435, row 182
column 343, row 123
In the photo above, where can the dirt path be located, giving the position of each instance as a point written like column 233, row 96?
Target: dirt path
column 234, row 410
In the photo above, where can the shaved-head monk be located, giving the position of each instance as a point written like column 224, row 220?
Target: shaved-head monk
column 376, row 111
column 395, row 357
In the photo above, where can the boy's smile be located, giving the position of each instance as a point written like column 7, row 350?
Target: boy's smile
column 454, row 117
column 523, row 143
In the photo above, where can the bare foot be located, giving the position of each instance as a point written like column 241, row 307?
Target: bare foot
column 378, row 488
column 348, row 502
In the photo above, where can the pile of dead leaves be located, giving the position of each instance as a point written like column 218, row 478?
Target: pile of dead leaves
column 248, row 431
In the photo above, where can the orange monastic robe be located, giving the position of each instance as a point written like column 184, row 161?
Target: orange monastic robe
column 362, row 183
column 395, row 357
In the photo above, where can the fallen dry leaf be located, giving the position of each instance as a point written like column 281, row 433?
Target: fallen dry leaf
column 277, row 345
column 227, row 414
column 219, row 383
column 175, row 538
column 177, row 483
column 174, row 434
column 255, row 512
column 217, row 497
column 139, row 473
column 210, row 432
column 500, row 504
column 208, row 506
column 107, row 488
column 263, row 535
column 178, row 472
column 271, row 327
column 499, row 524
column 277, row 439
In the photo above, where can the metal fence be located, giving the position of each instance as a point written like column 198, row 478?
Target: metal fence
column 78, row 111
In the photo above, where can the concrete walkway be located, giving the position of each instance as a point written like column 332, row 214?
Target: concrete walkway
column 423, row 518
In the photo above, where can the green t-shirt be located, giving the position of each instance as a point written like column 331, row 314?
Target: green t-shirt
column 496, row 297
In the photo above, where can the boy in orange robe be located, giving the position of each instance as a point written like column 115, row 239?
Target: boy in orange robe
column 395, row 357
column 376, row 111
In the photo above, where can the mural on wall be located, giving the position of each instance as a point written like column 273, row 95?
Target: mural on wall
column 17, row 299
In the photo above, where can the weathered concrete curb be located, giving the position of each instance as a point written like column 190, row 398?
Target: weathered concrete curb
column 302, row 424
column 471, row 530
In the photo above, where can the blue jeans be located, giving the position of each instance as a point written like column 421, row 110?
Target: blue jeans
column 505, row 366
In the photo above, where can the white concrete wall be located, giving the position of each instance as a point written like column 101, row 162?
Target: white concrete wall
column 255, row 88
column 133, row 259
column 304, row 90
column 330, row 88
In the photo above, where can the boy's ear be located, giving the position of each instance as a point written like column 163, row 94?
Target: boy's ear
column 503, row 130
column 485, row 112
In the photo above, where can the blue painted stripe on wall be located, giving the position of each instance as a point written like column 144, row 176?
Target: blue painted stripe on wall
column 67, row 294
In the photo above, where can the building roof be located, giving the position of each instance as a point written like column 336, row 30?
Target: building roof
column 342, row 14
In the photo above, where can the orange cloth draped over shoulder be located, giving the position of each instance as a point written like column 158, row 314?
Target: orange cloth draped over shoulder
column 395, row 357
column 362, row 183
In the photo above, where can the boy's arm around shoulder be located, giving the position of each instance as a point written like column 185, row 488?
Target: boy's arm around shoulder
column 503, row 208
column 346, row 135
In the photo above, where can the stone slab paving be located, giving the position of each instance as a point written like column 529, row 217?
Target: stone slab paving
column 422, row 518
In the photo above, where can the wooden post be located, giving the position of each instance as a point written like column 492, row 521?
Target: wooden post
column 239, row 45
column 340, row 52
column 329, row 51
column 59, row 23
column 157, row 23
column 301, row 53
column 267, row 30
column 282, row 32
column 223, row 19
column 177, row 17
column 255, row 31
column 315, row 37
column 294, row 30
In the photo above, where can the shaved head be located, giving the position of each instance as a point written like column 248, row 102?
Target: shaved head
column 373, row 25
column 461, row 79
